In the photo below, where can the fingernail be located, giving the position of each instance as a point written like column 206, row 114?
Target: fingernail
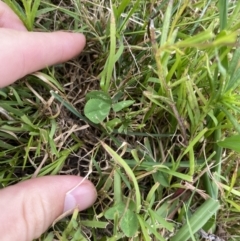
column 81, row 197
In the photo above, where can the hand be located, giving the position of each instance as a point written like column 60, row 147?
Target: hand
column 23, row 52
column 28, row 208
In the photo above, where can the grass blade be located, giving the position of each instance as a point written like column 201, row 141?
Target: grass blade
column 106, row 75
column 129, row 172
column 234, row 15
column 231, row 142
column 231, row 118
column 198, row 220
column 166, row 23
column 223, row 9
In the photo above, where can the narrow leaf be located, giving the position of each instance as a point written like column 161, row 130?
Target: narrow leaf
column 234, row 81
column 197, row 220
column 232, row 119
column 68, row 105
column 109, row 66
column 231, row 142
column 129, row 172
column 223, row 9
column 130, row 13
column 94, row 224
column 196, row 40
column 145, row 232
column 165, row 224
column 166, row 23
column 122, row 6
column 235, row 62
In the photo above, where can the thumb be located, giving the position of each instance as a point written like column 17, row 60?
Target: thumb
column 29, row 208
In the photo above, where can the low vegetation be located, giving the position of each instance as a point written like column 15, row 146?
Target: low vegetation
column 149, row 113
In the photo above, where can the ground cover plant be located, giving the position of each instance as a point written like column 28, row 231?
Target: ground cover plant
column 149, row 113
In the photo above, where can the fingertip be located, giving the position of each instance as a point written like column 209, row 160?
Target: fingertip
column 52, row 48
column 81, row 197
column 72, row 44
column 81, row 37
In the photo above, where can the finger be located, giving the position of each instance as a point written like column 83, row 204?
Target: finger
column 29, row 208
column 8, row 19
column 22, row 53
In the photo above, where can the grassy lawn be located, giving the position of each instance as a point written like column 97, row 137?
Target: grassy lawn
column 149, row 112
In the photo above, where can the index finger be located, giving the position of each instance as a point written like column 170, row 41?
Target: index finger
column 22, row 53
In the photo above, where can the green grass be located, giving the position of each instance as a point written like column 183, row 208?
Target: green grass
column 167, row 74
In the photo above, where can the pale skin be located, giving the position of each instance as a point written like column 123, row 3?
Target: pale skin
column 30, row 207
